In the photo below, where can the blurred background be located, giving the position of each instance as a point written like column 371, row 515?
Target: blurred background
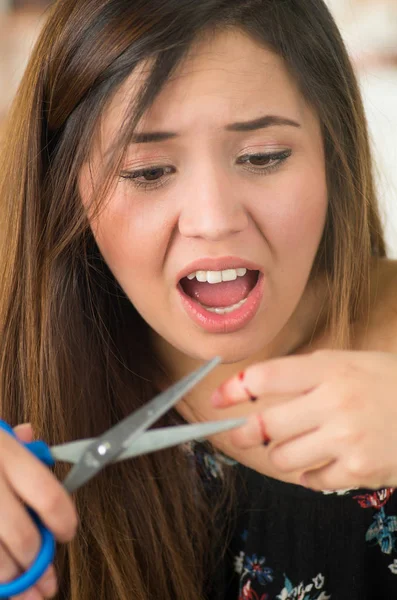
column 369, row 28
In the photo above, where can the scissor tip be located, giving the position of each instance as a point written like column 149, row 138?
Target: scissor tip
column 217, row 360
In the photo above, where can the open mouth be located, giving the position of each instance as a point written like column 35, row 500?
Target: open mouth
column 220, row 292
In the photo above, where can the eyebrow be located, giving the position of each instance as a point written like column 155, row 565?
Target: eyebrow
column 260, row 123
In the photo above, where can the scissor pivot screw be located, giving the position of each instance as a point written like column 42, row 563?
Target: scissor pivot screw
column 103, row 448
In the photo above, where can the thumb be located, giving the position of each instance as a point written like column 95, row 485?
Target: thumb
column 24, row 432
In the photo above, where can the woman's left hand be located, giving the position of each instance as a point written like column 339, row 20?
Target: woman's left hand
column 340, row 430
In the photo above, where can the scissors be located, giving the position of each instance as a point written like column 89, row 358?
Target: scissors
column 126, row 439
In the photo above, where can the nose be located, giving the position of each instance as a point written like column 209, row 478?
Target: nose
column 211, row 208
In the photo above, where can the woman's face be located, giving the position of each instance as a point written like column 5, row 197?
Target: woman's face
column 213, row 224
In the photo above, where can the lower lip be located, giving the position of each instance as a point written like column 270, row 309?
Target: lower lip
column 229, row 322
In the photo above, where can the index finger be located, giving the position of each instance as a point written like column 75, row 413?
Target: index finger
column 295, row 375
column 38, row 488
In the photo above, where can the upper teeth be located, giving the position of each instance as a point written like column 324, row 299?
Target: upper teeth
column 217, row 276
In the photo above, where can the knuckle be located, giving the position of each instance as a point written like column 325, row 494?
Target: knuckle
column 351, row 399
column 349, row 434
column 360, row 466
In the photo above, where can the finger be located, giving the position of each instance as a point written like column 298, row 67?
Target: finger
column 18, row 533
column 252, row 434
column 288, row 375
column 38, row 488
column 8, row 567
column 24, row 432
column 283, row 422
column 46, row 587
column 9, row 570
column 302, row 453
column 332, row 477
column 31, row 594
column 20, row 543
column 301, row 415
column 48, row 584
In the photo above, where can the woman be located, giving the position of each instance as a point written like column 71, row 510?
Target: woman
column 183, row 180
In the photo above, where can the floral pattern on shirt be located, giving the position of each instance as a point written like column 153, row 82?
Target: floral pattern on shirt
column 383, row 529
column 252, row 569
column 255, row 574
column 393, row 567
column 376, row 499
column 311, row 591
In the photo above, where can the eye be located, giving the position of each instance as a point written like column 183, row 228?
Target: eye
column 148, row 177
column 263, row 163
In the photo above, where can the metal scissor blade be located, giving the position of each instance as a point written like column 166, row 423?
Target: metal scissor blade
column 110, row 444
column 150, row 441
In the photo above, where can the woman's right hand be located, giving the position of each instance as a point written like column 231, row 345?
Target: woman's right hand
column 25, row 481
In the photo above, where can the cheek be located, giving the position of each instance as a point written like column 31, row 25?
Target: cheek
column 129, row 232
column 133, row 237
column 296, row 213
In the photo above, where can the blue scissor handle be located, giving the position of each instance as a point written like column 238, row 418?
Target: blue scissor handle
column 47, row 550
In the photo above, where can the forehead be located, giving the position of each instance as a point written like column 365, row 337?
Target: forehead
column 223, row 77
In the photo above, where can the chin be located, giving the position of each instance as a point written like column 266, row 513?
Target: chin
column 230, row 352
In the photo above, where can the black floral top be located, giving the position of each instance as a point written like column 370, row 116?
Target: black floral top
column 292, row 543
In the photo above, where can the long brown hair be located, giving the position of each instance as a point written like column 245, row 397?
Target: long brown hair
column 75, row 355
